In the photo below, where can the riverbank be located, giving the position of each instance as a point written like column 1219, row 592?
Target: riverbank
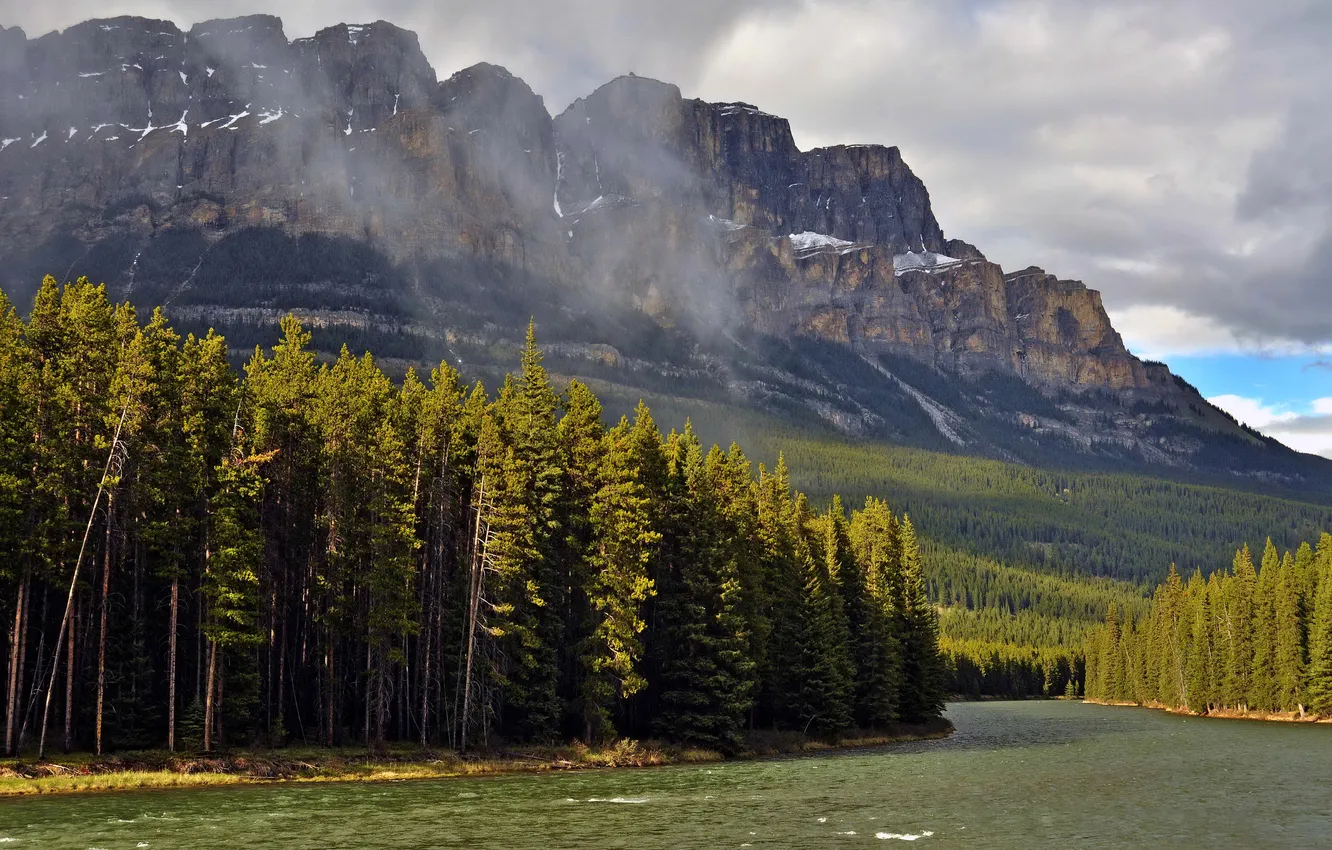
column 1221, row 713
column 159, row 769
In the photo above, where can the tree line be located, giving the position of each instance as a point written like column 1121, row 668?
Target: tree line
column 314, row 552
column 1244, row 639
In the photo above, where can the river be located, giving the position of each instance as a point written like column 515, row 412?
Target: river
column 1033, row 774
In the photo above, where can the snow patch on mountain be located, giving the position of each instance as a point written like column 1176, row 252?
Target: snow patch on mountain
column 925, row 261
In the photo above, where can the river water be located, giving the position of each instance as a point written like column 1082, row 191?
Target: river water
column 1033, row 774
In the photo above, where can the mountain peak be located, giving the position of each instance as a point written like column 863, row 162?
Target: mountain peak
column 218, row 173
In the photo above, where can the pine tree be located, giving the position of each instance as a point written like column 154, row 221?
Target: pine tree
column 705, row 676
column 582, row 441
column 1289, row 628
column 922, row 693
column 1262, row 688
column 231, row 584
column 526, row 411
column 1199, row 653
column 1318, row 677
column 876, row 541
column 622, row 547
column 1110, row 666
column 1241, row 589
column 1169, row 634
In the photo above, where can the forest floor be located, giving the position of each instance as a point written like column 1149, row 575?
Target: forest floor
column 1221, row 713
column 79, row 772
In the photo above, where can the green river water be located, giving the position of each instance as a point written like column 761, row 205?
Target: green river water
column 1033, row 774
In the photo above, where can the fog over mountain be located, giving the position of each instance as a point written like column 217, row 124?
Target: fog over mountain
column 1175, row 154
column 663, row 242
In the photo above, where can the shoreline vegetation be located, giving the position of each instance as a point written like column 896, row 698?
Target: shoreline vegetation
column 84, row 772
column 1251, row 641
column 1218, row 713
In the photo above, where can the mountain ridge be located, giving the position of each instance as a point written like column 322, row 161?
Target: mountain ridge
column 336, row 176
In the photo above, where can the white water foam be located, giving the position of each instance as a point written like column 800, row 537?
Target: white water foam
column 902, row 836
column 617, row 800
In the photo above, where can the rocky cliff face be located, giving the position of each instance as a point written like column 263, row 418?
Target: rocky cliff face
column 232, row 173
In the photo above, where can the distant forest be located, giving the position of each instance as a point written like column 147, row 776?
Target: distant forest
column 314, row 553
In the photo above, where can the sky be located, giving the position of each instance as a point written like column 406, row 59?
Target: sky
column 1175, row 155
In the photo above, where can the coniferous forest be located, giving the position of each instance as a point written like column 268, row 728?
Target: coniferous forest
column 314, row 552
column 1247, row 639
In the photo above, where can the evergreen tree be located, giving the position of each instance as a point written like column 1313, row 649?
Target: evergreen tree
column 231, row 584
column 1199, row 661
column 1318, row 681
column 1262, row 688
column 622, row 546
column 1288, row 625
column 706, row 676
column 876, row 540
column 922, row 694
column 1110, row 666
column 1239, row 631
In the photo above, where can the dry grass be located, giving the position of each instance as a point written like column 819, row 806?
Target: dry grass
column 158, row 769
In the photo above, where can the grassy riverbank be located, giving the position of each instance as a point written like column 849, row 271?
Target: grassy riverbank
column 1222, row 713
column 160, row 769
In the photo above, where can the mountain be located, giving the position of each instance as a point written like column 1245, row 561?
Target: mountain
column 664, row 245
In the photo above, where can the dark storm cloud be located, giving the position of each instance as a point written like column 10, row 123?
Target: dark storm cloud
column 1177, row 156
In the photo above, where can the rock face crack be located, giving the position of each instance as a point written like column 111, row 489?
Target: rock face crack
column 948, row 423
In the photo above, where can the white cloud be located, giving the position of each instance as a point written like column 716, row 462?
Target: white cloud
column 1309, row 431
column 1252, row 411
column 1162, row 331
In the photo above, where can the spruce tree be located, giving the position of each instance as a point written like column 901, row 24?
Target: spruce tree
column 582, row 446
column 1262, row 688
column 922, row 693
column 706, row 677
column 876, row 541
column 1110, row 666
column 231, row 584
column 1199, row 653
column 1318, row 677
column 1168, row 634
column 623, row 540
column 528, row 410
column 1289, row 627
column 1241, row 589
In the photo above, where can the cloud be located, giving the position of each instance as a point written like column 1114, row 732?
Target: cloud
column 1177, row 156
column 1309, row 431
column 1161, row 332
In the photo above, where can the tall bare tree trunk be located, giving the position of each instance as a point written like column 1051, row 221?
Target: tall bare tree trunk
column 101, row 642
column 37, row 673
column 208, row 697
column 426, row 638
column 281, row 673
column 371, row 692
column 219, row 737
column 69, row 680
column 171, row 665
column 328, row 732
column 17, row 655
